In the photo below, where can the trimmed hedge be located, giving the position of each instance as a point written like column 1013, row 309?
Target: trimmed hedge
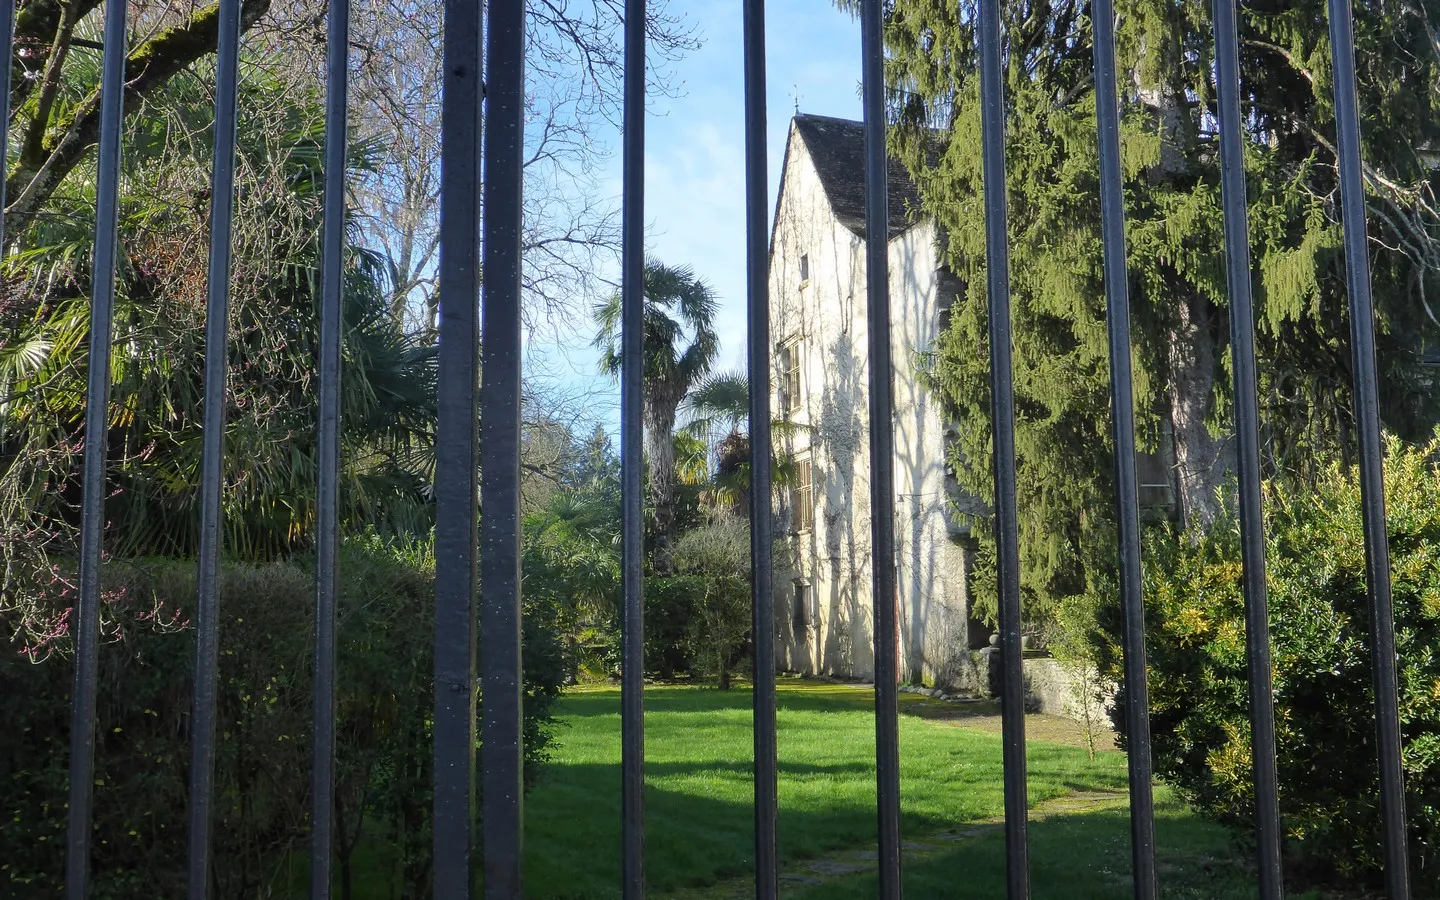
column 261, row 825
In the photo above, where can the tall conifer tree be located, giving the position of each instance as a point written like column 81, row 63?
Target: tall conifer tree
column 1177, row 266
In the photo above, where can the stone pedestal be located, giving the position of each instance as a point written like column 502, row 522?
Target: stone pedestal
column 992, row 675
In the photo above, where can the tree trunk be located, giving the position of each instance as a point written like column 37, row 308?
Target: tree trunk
column 149, row 66
column 1202, row 460
column 660, row 441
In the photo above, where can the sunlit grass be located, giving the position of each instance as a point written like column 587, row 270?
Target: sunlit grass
column 699, row 814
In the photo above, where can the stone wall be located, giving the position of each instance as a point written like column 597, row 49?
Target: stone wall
column 1060, row 689
column 1052, row 687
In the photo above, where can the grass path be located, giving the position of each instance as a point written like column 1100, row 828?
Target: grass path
column 699, row 818
column 831, row 869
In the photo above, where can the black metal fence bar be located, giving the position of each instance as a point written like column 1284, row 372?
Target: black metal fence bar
column 86, row 622
column 1007, row 541
column 456, row 461
column 882, row 450
column 1122, row 401
column 459, row 526
column 632, row 433
column 502, row 801
column 7, row 39
column 327, row 498
column 1247, row 433
column 757, row 270
column 1367, row 417
column 212, row 464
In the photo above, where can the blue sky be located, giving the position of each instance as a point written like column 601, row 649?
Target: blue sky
column 695, row 164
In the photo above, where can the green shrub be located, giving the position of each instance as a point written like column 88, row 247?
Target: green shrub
column 1072, row 638
column 713, row 562
column 669, row 626
column 1320, row 633
column 384, row 703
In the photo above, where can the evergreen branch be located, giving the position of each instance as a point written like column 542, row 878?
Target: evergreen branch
column 1084, row 84
column 1284, row 54
column 1408, row 207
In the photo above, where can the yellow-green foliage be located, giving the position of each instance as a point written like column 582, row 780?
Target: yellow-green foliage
column 1321, row 640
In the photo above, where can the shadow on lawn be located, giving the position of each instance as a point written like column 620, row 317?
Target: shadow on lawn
column 693, row 838
column 699, row 849
column 1073, row 855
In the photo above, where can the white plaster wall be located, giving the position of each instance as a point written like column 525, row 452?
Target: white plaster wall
column 826, row 314
column 934, row 602
column 821, row 313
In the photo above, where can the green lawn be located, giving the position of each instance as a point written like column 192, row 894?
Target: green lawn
column 699, row 815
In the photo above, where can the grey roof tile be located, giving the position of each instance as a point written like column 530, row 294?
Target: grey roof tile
column 837, row 149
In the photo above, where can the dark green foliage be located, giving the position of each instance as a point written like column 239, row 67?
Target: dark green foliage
column 714, row 566
column 698, row 621
column 158, row 383
column 1176, row 261
column 1320, row 630
column 263, row 767
column 697, row 625
column 669, row 617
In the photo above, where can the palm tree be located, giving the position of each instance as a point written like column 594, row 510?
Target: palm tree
column 719, row 416
column 571, row 545
column 718, row 406
column 679, row 349
column 158, row 352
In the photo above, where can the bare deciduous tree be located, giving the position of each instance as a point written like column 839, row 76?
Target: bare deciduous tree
column 574, row 73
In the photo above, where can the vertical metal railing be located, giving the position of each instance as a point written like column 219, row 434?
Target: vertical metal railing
column 1002, row 398
column 7, row 39
column 757, row 263
column 456, row 459
column 212, row 466
column 1247, row 453
column 501, row 686
column 86, row 621
column 327, row 497
column 1372, row 478
column 1127, row 503
column 632, row 433
column 461, row 533
column 882, row 449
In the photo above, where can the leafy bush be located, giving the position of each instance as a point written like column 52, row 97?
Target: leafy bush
column 571, row 566
column 714, row 566
column 384, row 703
column 1320, row 633
column 669, row 626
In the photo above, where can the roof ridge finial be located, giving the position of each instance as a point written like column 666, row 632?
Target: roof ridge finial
column 795, row 92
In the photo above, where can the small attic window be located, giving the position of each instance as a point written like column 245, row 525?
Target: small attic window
column 804, row 267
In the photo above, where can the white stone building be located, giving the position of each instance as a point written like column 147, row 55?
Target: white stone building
column 820, row 377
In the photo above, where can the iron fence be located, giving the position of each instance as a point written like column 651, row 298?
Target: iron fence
column 479, row 431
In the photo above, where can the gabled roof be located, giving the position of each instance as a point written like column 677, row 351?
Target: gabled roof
column 837, row 149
